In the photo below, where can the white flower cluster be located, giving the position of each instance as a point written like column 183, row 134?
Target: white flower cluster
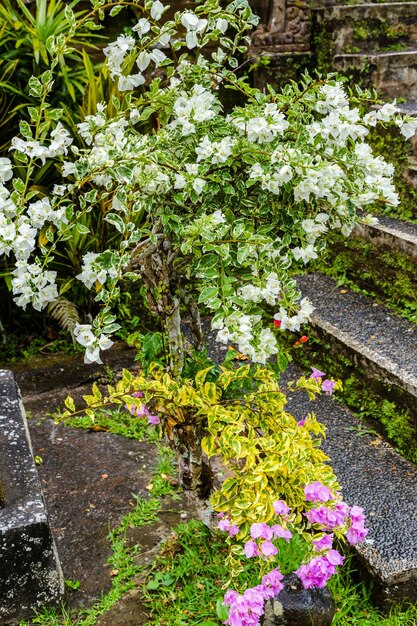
column 193, row 108
column 264, row 128
column 241, row 329
column 93, row 271
column 93, row 344
column 294, row 322
column 60, row 142
column 31, row 284
column 269, row 293
column 217, row 151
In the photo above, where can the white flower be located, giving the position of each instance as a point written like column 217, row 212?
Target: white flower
column 223, row 336
column 191, row 39
column 6, row 169
column 127, row 83
column 189, row 20
column 407, row 128
column 157, row 56
column 179, row 181
column 157, row 9
column 143, row 60
column 222, row 150
column 205, row 149
column 222, row 25
column 142, row 27
column 386, row 112
column 84, row 334
column 198, row 185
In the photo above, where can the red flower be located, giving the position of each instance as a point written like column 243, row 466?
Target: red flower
column 304, row 339
column 277, row 323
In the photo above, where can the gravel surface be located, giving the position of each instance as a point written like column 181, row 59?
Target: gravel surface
column 390, row 339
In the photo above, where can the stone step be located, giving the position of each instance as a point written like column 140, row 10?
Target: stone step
column 393, row 74
column 383, row 345
column 369, row 27
column 374, row 476
column 397, row 235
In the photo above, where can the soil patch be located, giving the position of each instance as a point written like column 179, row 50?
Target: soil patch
column 88, row 480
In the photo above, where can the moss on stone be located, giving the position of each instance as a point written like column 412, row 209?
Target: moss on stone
column 387, row 416
column 386, row 275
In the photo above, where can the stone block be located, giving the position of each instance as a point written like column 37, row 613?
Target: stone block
column 30, row 572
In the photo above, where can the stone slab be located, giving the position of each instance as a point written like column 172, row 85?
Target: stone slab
column 392, row 73
column 385, row 345
column 392, row 233
column 30, row 573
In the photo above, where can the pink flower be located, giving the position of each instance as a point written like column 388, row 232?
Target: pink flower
column 234, row 530
column 281, row 508
column 328, row 386
column 317, row 572
column 302, row 422
column 251, row 549
column 268, row 549
column 273, row 581
column 230, row 596
column 316, row 374
column 325, row 543
column 328, row 518
column 317, row 492
column 281, row 533
column 153, row 419
column 224, row 525
column 261, row 531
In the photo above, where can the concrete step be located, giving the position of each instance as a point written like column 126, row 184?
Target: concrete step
column 393, row 74
column 397, row 235
column 374, row 476
column 383, row 345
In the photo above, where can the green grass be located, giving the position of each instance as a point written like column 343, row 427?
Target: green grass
column 118, row 421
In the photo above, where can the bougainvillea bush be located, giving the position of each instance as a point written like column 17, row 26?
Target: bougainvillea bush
column 201, row 208
column 277, row 484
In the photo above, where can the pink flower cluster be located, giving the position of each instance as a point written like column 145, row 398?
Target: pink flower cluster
column 357, row 531
column 140, row 410
column 317, row 572
column 226, row 526
column 327, row 385
column 248, row 608
column 268, row 533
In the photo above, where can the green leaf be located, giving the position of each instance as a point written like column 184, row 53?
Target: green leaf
column 282, row 361
column 207, row 294
column 221, row 610
column 83, row 230
column 117, row 221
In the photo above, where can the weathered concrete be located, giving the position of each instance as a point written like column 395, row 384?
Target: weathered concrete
column 30, row 573
column 369, row 27
column 394, row 74
column 367, row 333
column 392, row 233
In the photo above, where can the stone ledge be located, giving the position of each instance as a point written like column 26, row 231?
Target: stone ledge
column 370, row 335
column 392, row 233
column 30, row 573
